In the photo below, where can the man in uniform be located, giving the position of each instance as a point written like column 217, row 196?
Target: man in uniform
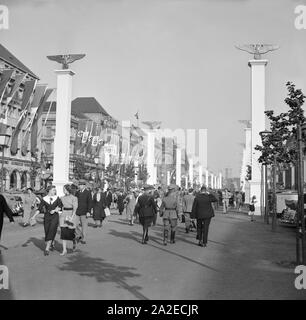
column 169, row 211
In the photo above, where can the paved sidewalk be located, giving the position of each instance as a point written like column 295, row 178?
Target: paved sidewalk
column 242, row 261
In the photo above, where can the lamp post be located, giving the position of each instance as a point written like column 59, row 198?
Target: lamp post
column 266, row 196
column 4, row 139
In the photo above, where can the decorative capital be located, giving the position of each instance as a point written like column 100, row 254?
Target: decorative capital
column 255, row 62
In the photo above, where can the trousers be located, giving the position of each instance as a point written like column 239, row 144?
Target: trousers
column 202, row 229
column 81, row 229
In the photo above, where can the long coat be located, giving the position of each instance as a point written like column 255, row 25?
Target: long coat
column 98, row 206
column 4, row 208
column 84, row 202
column 202, row 208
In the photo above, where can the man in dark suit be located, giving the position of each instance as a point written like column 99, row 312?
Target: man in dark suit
column 109, row 198
column 203, row 211
column 83, row 210
column 4, row 208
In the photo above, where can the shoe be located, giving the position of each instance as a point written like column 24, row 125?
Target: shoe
column 95, row 226
column 187, row 231
column 83, row 242
column 46, row 252
column 204, row 245
column 200, row 244
column 63, row 253
column 74, row 246
column 52, row 248
column 147, row 238
column 26, row 224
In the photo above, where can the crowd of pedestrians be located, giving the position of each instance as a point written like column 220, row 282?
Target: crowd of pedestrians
column 193, row 207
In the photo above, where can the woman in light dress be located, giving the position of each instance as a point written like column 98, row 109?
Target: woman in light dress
column 68, row 218
column 130, row 202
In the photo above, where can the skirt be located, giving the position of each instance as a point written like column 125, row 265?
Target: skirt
column 67, row 233
column 146, row 221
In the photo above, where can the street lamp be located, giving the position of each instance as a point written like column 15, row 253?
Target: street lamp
column 4, row 140
column 266, row 216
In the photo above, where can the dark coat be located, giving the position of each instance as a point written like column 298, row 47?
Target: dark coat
column 84, row 202
column 109, row 198
column 120, row 202
column 4, row 208
column 146, row 206
column 202, row 208
column 99, row 206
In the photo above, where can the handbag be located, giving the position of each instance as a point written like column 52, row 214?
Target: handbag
column 107, row 212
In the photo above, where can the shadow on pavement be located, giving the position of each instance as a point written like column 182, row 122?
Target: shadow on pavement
column 136, row 236
column 5, row 294
column 40, row 244
column 103, row 271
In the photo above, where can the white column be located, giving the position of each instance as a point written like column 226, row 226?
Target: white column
column 220, row 180
column 136, row 171
column 258, row 124
column 191, row 171
column 215, row 186
column 186, row 181
column 200, row 175
column 62, row 129
column 212, row 180
column 178, row 166
column 168, row 178
column 150, row 156
column 206, row 178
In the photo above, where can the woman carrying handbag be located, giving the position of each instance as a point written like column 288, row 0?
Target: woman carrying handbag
column 68, row 218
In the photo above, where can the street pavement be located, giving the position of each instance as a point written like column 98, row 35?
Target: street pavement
column 243, row 260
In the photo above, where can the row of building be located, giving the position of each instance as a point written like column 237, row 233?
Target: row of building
column 28, row 118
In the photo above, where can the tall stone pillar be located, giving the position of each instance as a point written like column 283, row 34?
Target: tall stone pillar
column 212, row 180
column 191, row 171
column 258, row 103
column 168, row 178
column 200, row 175
column 206, row 178
column 62, row 129
column 150, row 156
column 220, row 180
column 178, row 166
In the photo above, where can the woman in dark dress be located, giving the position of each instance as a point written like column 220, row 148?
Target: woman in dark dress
column 99, row 204
column 120, row 202
column 4, row 208
column 146, row 210
column 52, row 204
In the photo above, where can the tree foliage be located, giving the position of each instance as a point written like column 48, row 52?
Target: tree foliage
column 280, row 144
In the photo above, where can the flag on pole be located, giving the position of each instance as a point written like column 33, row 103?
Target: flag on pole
column 38, row 95
column 5, row 79
column 8, row 98
column 79, row 136
column 28, row 90
column 34, row 127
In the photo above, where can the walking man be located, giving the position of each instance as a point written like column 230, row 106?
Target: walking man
column 187, row 208
column 203, row 211
column 83, row 210
column 169, row 211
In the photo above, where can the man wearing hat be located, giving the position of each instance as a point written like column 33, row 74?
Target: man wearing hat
column 169, row 211
column 146, row 210
column 84, row 208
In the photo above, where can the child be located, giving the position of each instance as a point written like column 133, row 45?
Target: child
column 252, row 208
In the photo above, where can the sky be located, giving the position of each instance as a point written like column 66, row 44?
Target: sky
column 173, row 60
